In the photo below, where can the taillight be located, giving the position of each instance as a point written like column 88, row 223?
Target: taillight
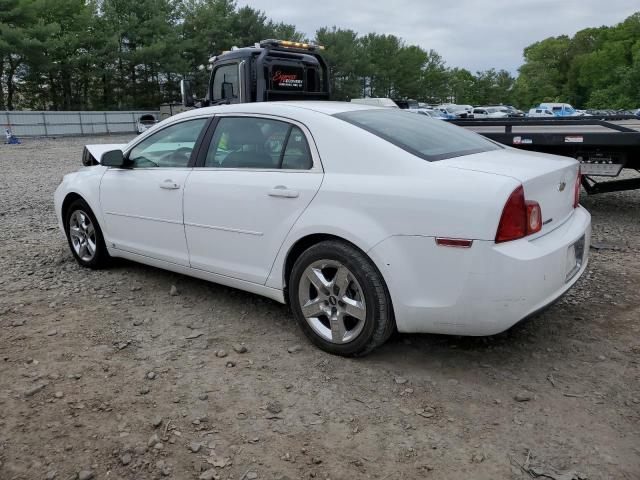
column 534, row 217
column 519, row 218
column 576, row 194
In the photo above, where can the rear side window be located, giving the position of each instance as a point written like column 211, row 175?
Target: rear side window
column 418, row 135
column 296, row 154
column 258, row 143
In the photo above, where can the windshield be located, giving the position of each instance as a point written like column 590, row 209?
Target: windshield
column 418, row 135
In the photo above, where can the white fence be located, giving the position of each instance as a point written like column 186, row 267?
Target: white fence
column 44, row 124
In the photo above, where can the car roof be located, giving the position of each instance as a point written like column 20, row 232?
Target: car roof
column 274, row 108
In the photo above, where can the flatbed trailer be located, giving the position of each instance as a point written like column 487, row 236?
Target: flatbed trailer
column 604, row 145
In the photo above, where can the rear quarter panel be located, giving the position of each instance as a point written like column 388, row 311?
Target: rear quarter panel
column 373, row 190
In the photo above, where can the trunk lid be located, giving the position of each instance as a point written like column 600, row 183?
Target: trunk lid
column 547, row 179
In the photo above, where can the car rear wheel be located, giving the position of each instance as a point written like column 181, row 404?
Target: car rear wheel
column 339, row 299
column 85, row 236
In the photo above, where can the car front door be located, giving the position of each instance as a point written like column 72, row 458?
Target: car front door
column 250, row 185
column 142, row 202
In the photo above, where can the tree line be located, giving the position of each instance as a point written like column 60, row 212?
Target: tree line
column 123, row 54
column 596, row 68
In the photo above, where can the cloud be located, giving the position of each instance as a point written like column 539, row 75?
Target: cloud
column 474, row 34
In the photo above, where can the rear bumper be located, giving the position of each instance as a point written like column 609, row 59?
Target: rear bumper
column 482, row 290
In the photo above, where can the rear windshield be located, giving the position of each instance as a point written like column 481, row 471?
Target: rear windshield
column 420, row 135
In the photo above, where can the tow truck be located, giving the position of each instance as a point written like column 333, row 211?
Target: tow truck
column 604, row 145
column 267, row 71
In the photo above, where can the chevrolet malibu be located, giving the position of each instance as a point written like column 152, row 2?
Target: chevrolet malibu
column 365, row 220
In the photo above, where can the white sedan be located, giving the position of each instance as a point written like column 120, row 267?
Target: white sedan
column 363, row 219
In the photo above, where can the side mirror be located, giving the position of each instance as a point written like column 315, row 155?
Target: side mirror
column 187, row 93
column 112, row 158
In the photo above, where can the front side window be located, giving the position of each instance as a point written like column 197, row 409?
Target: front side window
column 226, row 83
column 417, row 135
column 170, row 147
column 248, row 142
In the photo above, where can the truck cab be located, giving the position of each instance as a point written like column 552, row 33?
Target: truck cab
column 269, row 70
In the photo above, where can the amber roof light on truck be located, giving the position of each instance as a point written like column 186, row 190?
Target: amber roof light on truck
column 289, row 44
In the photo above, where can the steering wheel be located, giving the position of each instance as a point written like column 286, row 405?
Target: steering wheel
column 179, row 156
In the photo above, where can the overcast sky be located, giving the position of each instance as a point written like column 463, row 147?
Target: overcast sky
column 475, row 34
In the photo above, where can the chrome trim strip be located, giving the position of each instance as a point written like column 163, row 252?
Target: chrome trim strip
column 224, row 229
column 141, row 217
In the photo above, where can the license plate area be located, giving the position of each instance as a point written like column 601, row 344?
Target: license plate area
column 575, row 257
column 605, row 168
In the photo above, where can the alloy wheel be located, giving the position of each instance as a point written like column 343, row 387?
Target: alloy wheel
column 83, row 235
column 332, row 301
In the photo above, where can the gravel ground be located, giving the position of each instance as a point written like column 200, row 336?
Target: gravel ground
column 106, row 375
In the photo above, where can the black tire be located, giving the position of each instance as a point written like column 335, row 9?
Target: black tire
column 101, row 258
column 379, row 322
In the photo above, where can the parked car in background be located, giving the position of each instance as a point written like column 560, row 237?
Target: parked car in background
column 559, row 109
column 375, row 102
column 490, row 112
column 458, row 111
column 145, row 122
column 407, row 104
column 513, row 111
column 430, row 112
column 365, row 220
column 540, row 112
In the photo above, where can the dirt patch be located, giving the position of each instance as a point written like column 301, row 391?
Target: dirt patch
column 108, row 374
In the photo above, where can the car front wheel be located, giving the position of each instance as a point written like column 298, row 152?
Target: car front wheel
column 339, row 299
column 85, row 236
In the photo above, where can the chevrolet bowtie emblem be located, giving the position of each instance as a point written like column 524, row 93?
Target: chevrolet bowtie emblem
column 561, row 186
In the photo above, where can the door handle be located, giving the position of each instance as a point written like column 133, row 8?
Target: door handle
column 169, row 184
column 282, row 191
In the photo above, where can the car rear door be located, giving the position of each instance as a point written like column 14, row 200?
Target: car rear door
column 142, row 203
column 253, row 179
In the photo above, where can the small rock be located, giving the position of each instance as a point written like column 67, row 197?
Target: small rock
column 294, row 348
column 195, row 447
column 144, row 389
column 153, row 440
column 230, row 364
column 174, row 291
column 239, row 348
column 274, row 407
column 151, row 375
column 400, row 380
column 18, row 322
column 221, row 354
column 137, row 322
column 140, row 450
column 125, row 459
column 602, row 357
column 58, row 394
column 251, row 476
column 51, row 333
column 35, row 389
column 208, row 475
column 203, row 396
column 477, row 458
column 51, row 475
column 156, row 422
column 85, row 475
column 522, row 397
